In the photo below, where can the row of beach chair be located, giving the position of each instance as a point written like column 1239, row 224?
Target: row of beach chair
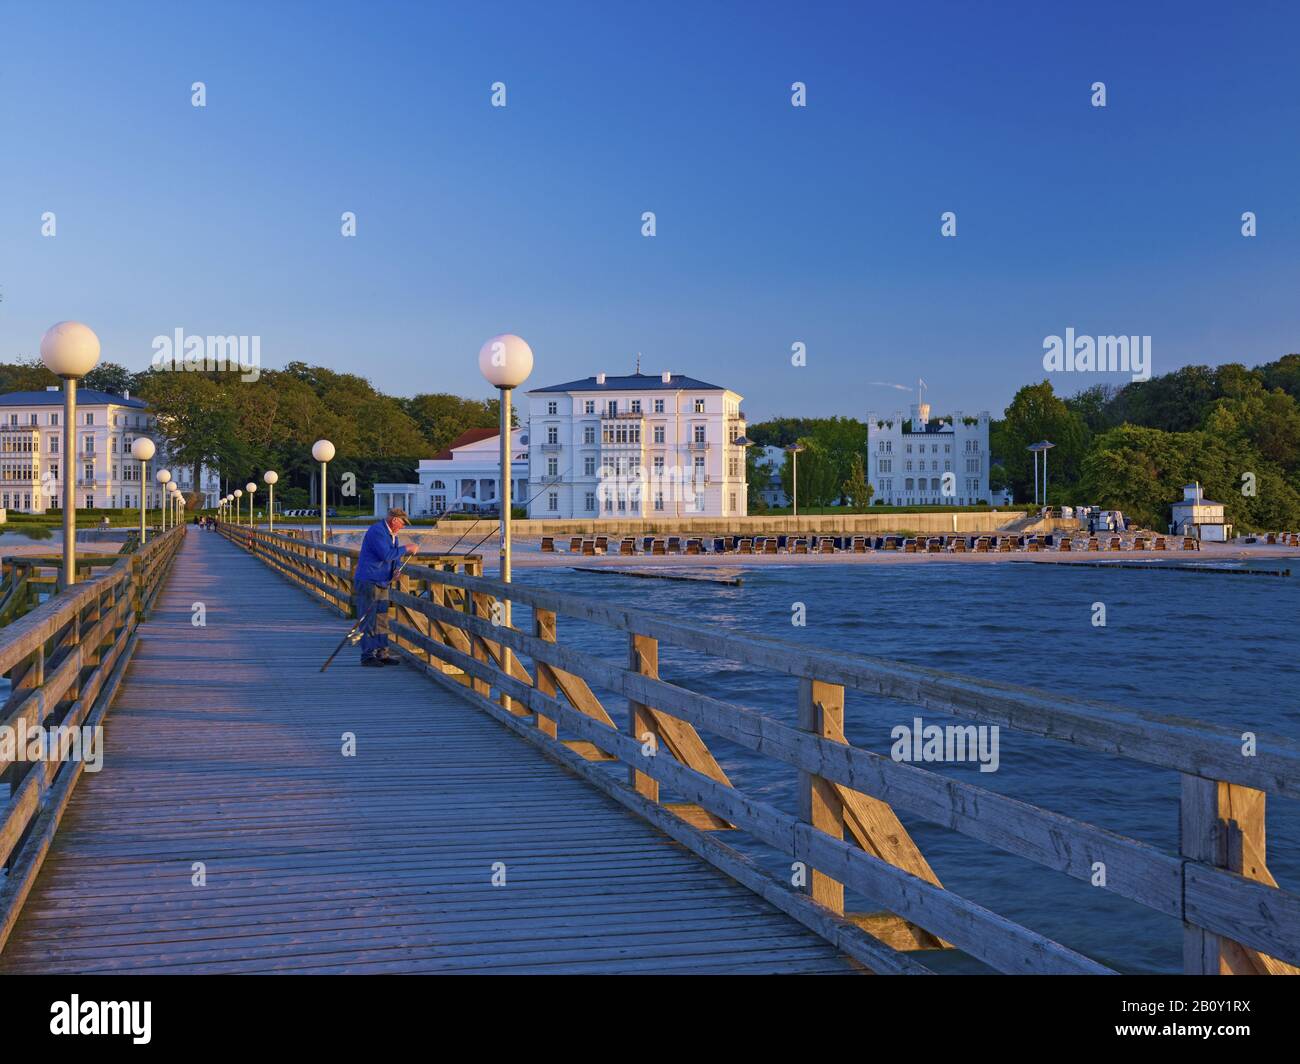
column 993, row 543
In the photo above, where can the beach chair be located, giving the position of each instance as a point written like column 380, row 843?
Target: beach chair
column 826, row 545
column 1093, row 543
column 575, row 544
column 658, row 547
column 1139, row 543
column 674, row 544
column 1033, row 544
column 647, row 542
column 1066, row 543
column 1271, row 540
column 548, row 544
column 800, row 547
column 982, row 545
column 769, row 545
column 744, row 546
column 1114, row 544
column 959, row 545
column 933, row 545
column 1159, row 543
column 693, row 546
column 859, row 545
column 1004, row 544
column 909, row 546
column 1191, row 543
column 602, row 544
column 589, row 546
column 628, row 546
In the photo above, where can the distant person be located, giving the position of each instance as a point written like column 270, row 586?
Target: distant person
column 380, row 553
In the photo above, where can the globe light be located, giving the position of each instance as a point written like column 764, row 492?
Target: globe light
column 322, row 451
column 143, row 449
column 506, row 361
column 271, row 476
column 70, row 349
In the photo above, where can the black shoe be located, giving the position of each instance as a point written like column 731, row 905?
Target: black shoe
column 372, row 663
column 389, row 659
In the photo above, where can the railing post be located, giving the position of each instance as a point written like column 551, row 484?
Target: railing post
column 544, row 629
column 821, row 711
column 477, row 605
column 643, row 658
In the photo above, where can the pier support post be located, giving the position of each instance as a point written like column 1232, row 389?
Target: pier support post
column 643, row 658
column 821, row 711
column 544, row 629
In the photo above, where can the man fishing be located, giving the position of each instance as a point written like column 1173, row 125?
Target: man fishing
column 380, row 553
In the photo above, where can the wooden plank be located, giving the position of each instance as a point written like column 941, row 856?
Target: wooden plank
column 821, row 712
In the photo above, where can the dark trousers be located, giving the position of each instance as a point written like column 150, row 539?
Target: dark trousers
column 372, row 608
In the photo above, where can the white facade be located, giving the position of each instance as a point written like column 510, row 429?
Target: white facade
column 635, row 446
column 107, row 477
column 464, row 477
column 940, row 462
column 773, row 459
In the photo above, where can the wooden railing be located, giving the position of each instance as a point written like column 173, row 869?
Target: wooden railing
column 64, row 662
column 846, row 834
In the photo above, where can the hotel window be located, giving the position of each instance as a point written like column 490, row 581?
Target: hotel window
column 33, row 420
column 732, row 503
column 612, row 407
column 589, row 434
column 90, row 471
column 552, row 501
column 909, row 465
column 589, row 406
column 90, row 417
column 699, row 433
column 54, row 419
column 699, row 502
column 591, row 501
column 13, row 419
column 552, row 466
column 552, row 408
column 909, row 448
column 699, row 467
column 589, row 466
column 90, row 502
column 87, row 444
column 699, row 406
column 659, row 434
column 907, row 484
column 552, row 433
column 659, row 406
column 636, row 406
column 934, row 483
column 659, row 464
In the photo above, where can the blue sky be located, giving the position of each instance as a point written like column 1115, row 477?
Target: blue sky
column 775, row 224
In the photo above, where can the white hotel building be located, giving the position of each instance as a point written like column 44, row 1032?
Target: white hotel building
column 940, row 462
column 634, row 446
column 107, row 477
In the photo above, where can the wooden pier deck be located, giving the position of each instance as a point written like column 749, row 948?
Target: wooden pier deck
column 224, row 752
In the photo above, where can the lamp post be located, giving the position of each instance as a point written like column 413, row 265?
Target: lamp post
column 163, row 476
column 1042, row 446
column 794, row 450
column 251, row 488
column 174, row 501
column 271, row 476
column 323, row 452
column 505, row 361
column 239, row 494
column 143, row 449
column 70, row 350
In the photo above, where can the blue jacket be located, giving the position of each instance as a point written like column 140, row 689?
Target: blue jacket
column 380, row 553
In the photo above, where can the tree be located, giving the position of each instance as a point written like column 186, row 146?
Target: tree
column 856, row 489
column 1036, row 413
column 818, row 485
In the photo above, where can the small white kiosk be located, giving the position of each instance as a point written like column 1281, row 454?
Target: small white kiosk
column 1198, row 516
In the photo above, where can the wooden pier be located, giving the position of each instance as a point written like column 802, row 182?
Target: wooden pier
column 495, row 817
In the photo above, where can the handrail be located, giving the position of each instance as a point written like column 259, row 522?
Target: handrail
column 1235, row 917
column 65, row 661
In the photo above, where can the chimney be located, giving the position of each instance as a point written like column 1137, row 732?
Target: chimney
column 667, row 377
column 600, row 378
column 126, row 394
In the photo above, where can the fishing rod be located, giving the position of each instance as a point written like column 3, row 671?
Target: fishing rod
column 354, row 633
column 452, row 548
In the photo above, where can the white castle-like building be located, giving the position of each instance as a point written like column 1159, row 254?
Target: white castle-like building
column 928, row 462
column 107, row 476
column 640, row 445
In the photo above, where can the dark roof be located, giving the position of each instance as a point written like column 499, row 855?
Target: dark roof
column 467, row 437
column 633, row 382
column 85, row 397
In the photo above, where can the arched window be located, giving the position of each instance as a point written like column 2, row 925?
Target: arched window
column 907, row 484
